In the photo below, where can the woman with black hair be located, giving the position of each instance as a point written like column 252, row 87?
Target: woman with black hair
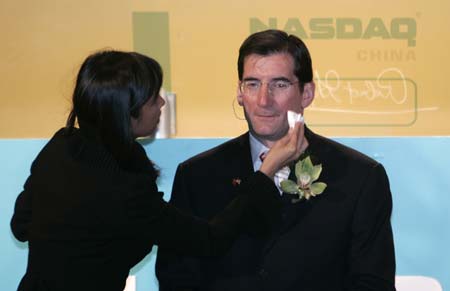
column 91, row 209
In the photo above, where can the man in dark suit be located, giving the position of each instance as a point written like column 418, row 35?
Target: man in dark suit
column 338, row 240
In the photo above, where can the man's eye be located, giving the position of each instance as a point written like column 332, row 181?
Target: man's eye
column 252, row 85
column 281, row 84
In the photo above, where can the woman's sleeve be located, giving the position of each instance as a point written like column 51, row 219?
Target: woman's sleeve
column 22, row 213
column 258, row 204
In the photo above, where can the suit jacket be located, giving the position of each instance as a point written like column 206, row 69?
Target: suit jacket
column 339, row 240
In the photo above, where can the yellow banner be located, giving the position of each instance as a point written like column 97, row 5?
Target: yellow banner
column 380, row 66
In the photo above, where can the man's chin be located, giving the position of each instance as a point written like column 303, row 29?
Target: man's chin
column 270, row 135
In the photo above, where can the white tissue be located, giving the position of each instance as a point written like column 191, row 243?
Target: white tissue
column 294, row 117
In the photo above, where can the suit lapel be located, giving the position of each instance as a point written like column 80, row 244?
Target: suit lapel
column 241, row 163
column 292, row 213
column 238, row 162
column 241, row 157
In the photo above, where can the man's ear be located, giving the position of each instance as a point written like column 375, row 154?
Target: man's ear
column 239, row 95
column 308, row 94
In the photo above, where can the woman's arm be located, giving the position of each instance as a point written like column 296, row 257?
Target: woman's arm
column 22, row 213
column 257, row 205
column 258, row 202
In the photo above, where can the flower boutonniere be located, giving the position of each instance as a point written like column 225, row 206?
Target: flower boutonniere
column 306, row 187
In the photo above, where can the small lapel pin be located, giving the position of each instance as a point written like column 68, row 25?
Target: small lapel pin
column 236, row 181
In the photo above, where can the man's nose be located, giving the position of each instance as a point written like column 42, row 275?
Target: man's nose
column 264, row 95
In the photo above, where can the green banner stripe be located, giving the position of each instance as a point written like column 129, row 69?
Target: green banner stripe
column 151, row 38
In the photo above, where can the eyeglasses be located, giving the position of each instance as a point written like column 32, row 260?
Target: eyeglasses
column 276, row 87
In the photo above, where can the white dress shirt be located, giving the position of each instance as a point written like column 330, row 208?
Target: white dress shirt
column 257, row 149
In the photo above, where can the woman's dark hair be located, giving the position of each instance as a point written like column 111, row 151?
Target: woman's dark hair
column 111, row 87
column 274, row 41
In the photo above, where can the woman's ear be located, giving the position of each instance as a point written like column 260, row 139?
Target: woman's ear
column 308, row 94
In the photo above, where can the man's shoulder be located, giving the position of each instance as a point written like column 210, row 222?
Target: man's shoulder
column 231, row 148
column 336, row 150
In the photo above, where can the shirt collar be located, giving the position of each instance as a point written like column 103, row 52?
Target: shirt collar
column 256, row 148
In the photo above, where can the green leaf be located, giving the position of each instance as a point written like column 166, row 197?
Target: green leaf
column 289, row 186
column 318, row 188
column 307, row 164
column 298, row 169
column 317, row 169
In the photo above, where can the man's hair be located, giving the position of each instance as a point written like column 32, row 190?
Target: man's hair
column 111, row 87
column 274, row 41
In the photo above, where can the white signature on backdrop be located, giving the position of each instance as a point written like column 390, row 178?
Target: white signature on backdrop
column 390, row 87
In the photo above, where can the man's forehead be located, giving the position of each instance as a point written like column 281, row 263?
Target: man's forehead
column 272, row 65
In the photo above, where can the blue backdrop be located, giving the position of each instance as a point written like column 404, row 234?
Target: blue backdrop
column 417, row 169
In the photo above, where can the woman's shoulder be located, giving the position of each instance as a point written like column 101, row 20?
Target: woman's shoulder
column 52, row 148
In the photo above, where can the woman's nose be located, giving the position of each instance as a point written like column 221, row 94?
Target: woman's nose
column 161, row 101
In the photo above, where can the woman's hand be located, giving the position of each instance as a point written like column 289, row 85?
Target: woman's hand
column 285, row 150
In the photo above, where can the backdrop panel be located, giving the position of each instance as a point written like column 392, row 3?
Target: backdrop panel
column 416, row 168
